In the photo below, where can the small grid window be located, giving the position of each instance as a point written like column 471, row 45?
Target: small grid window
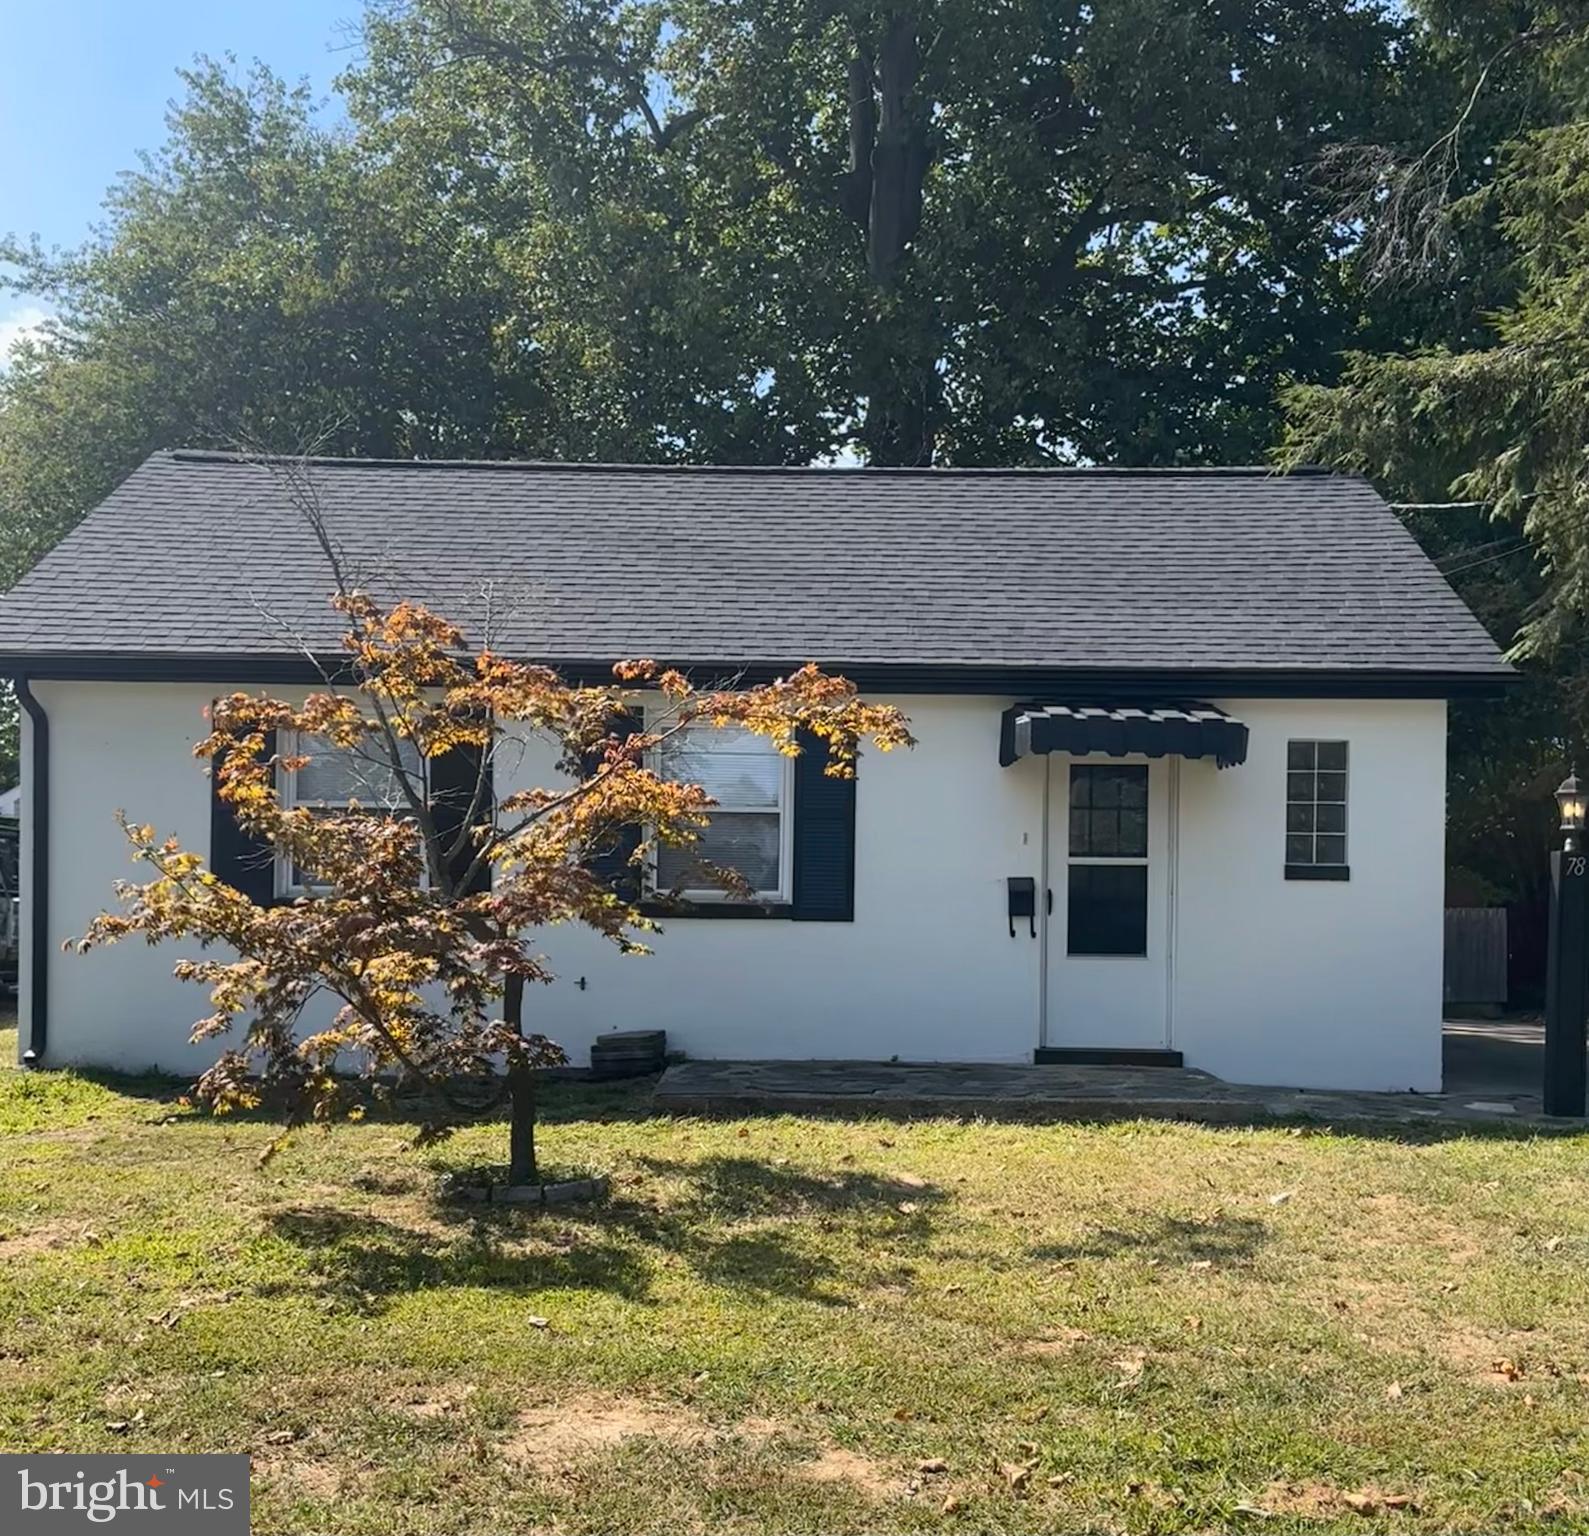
column 1316, row 805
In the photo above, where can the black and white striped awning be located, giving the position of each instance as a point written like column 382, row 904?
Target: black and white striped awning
column 1123, row 730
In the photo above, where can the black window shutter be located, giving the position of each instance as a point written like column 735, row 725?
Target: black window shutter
column 824, row 839
column 453, row 777
column 243, row 860
column 611, row 864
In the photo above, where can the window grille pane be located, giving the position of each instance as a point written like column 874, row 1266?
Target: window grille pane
column 1330, row 850
column 1299, row 849
column 1301, row 754
column 1299, row 818
column 1332, row 818
column 1299, row 787
column 337, row 775
column 1332, row 786
column 1107, row 910
column 1108, row 815
column 737, row 769
column 746, row 842
column 1332, row 755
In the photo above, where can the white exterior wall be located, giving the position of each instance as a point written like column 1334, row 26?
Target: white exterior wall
column 1316, row 984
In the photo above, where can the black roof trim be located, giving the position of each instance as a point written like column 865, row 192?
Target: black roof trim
column 873, row 677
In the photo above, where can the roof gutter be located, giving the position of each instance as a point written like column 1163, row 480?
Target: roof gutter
column 1016, row 682
column 38, row 804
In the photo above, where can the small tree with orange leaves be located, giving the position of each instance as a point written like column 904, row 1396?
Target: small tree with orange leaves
column 422, row 925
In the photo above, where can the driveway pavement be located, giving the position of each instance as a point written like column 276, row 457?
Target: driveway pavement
column 1494, row 1057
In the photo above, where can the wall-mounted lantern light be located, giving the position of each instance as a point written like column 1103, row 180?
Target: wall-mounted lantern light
column 1570, row 797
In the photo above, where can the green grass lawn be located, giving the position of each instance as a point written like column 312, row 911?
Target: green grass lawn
column 796, row 1325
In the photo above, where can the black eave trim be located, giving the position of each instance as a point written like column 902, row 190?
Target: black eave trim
column 1013, row 682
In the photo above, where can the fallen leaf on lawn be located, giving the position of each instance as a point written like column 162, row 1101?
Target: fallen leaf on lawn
column 280, row 1437
column 1393, row 1392
column 1035, row 1415
column 953, row 1290
column 1130, row 1368
column 743, row 1131
column 1017, row 1475
column 1552, row 1244
column 1201, row 1264
column 119, row 1426
column 1282, row 1197
column 539, row 1322
column 883, row 1141
column 951, row 1504
column 908, row 1207
column 933, row 1464
column 1059, row 1479
column 1510, row 1369
column 1194, row 1324
column 910, row 1180
column 1362, row 1503
column 1255, row 1509
column 900, row 1415
column 1026, row 1447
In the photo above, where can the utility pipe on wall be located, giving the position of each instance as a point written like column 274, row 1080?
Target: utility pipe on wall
column 36, row 802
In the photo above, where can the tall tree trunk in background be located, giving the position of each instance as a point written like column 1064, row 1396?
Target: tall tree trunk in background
column 882, row 192
column 521, row 1094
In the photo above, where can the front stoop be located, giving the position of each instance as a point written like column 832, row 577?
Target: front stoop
column 1067, row 1092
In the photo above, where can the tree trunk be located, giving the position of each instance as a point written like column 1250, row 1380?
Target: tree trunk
column 521, row 1094
column 890, row 150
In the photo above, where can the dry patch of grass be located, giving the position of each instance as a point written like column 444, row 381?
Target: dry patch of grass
column 554, row 1436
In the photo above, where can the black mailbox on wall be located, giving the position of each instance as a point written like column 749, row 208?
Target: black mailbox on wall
column 1023, row 901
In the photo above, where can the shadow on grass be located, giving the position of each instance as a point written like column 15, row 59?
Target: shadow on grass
column 576, row 1100
column 368, row 1260
column 1172, row 1240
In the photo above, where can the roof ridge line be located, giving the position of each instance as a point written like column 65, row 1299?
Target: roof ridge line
column 332, row 461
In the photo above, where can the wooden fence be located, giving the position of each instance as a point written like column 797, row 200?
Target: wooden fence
column 1475, row 954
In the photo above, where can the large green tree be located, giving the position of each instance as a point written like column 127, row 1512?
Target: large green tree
column 926, row 229
column 1477, row 230
column 260, row 279
column 744, row 230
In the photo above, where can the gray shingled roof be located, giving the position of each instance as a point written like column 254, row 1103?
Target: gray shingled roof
column 203, row 554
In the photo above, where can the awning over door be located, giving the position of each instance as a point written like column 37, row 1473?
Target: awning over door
column 1122, row 730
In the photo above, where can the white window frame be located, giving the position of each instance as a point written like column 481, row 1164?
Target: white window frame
column 704, row 895
column 289, row 744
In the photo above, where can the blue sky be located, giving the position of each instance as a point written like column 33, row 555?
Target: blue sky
column 84, row 86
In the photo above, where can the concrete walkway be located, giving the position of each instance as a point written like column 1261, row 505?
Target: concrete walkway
column 1057, row 1093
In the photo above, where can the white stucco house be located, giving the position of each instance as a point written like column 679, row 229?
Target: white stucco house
column 1178, row 793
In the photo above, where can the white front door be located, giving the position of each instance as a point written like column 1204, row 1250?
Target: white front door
column 1109, row 867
